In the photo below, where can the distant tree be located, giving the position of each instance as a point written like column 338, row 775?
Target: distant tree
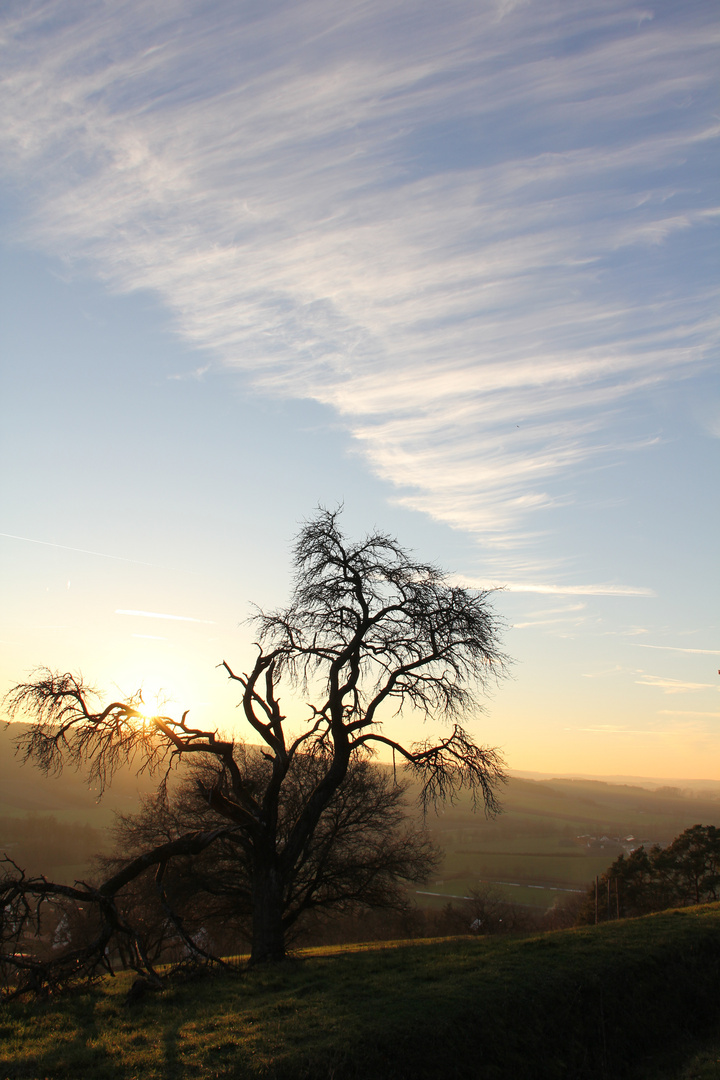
column 691, row 865
column 685, row 872
column 565, row 911
column 369, row 631
column 488, row 911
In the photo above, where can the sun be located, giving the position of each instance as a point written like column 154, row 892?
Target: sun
column 149, row 702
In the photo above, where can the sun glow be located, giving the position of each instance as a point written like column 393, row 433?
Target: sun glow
column 150, row 703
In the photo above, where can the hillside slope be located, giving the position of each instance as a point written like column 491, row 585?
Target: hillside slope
column 624, row 1001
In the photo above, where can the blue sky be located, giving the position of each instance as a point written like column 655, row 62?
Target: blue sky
column 454, row 265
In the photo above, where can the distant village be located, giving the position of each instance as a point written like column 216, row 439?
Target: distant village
column 614, row 845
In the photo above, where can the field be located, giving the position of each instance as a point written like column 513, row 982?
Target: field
column 632, row 1000
column 554, row 836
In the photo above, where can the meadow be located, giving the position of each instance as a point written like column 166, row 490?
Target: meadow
column 633, row 999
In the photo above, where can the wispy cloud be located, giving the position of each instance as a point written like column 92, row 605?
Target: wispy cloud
column 673, row 686
column 602, row 674
column 688, row 712
column 196, row 374
column 573, row 614
column 159, row 615
column 559, row 590
column 423, row 223
column 603, row 729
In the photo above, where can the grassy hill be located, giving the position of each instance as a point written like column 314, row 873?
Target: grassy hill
column 623, row 1001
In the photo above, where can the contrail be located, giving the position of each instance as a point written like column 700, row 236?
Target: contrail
column 676, row 648
column 81, row 551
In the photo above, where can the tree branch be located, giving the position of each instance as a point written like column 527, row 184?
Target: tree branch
column 444, row 769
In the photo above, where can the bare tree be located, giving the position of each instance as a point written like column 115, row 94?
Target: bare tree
column 368, row 632
column 363, row 854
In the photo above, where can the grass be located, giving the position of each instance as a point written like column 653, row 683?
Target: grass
column 625, row 999
column 705, row 1065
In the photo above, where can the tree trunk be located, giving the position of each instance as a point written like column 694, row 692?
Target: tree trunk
column 268, row 936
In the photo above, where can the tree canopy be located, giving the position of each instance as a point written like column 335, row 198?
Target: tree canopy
column 687, row 871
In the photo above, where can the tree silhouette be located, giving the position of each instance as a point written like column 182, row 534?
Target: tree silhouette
column 369, row 632
column 363, row 854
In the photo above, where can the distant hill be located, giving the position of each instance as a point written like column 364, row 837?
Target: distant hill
column 553, row 837
column 652, row 782
column 54, row 825
column 23, row 787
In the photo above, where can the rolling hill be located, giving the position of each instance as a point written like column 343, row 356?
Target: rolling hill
column 553, row 836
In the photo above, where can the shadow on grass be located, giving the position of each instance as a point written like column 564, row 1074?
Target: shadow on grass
column 172, row 1064
column 70, row 1043
column 596, row 1004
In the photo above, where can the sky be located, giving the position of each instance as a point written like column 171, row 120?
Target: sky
column 453, row 266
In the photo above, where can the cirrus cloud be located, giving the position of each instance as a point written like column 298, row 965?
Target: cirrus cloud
column 453, row 227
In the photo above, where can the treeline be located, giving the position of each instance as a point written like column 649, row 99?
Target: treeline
column 685, row 872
